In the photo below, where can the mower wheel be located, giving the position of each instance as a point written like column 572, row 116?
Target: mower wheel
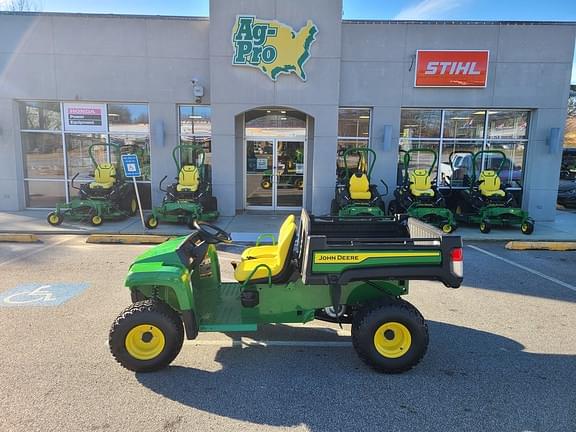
column 55, row 219
column 485, row 227
column 96, row 220
column 266, row 184
column 147, row 336
column 448, row 228
column 151, row 222
column 390, row 336
column 527, row 227
column 133, row 209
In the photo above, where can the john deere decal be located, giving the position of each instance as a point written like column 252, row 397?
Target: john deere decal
column 271, row 46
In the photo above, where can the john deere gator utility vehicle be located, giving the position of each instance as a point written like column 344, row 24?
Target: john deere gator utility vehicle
column 346, row 270
column 190, row 197
column 418, row 194
column 485, row 202
column 108, row 197
column 355, row 195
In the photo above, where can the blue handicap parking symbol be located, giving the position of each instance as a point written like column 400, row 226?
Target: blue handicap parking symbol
column 41, row 294
column 131, row 165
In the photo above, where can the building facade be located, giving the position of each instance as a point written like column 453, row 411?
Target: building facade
column 274, row 134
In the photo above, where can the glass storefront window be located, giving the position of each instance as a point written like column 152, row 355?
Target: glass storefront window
column 354, row 122
column 418, row 160
column 128, row 118
column 508, row 124
column 195, row 119
column 78, row 158
column 43, row 155
column 43, row 116
column 464, row 134
column 188, row 157
column 420, row 123
column 277, row 123
column 44, row 194
column 464, row 124
column 138, row 145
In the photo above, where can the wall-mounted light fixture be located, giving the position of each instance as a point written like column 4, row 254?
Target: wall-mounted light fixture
column 553, row 141
column 387, row 138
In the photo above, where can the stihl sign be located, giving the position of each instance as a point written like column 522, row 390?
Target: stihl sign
column 451, row 68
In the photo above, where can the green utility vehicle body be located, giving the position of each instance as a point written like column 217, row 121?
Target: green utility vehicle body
column 474, row 209
column 344, row 203
column 95, row 205
column 185, row 207
column 428, row 206
column 333, row 264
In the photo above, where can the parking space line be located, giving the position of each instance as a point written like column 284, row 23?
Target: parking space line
column 34, row 252
column 529, row 270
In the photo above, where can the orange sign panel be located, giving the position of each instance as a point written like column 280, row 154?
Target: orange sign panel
column 451, row 68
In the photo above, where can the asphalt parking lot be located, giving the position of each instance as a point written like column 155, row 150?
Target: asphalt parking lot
column 502, row 355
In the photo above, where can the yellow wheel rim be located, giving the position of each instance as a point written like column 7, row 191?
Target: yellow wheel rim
column 96, row 220
column 266, row 185
column 447, row 228
column 54, row 219
column 392, row 339
column 133, row 205
column 152, row 222
column 145, row 342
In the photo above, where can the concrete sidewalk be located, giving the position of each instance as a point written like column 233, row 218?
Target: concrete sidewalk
column 247, row 226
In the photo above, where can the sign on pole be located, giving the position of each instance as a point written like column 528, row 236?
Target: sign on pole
column 132, row 169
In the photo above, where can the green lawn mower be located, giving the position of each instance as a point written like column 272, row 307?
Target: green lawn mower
column 343, row 270
column 418, row 195
column 355, row 195
column 288, row 176
column 108, row 197
column 190, row 197
column 485, row 202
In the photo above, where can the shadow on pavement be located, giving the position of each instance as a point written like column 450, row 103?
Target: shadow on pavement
column 469, row 380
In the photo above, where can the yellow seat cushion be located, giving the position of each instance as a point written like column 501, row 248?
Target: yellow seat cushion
column 268, row 250
column 359, row 187
column 275, row 263
column 188, row 179
column 420, row 183
column 490, row 184
column 104, row 176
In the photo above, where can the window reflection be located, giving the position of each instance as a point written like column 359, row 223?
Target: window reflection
column 40, row 115
column 128, row 118
column 195, row 119
column 420, row 123
column 43, row 155
column 354, row 122
column 464, row 124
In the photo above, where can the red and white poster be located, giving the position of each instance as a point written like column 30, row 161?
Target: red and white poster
column 464, row 69
column 85, row 117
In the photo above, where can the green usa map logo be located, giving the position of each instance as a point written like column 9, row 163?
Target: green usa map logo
column 272, row 47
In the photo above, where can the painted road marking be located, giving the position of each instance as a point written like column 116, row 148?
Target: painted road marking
column 41, row 294
column 34, row 252
column 520, row 266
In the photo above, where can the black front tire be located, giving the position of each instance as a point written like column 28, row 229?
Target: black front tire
column 151, row 222
column 151, row 313
column 485, row 227
column 527, row 227
column 370, row 321
column 55, row 219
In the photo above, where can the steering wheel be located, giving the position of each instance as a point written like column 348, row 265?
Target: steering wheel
column 211, row 233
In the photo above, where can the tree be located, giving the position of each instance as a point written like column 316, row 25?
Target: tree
column 20, row 6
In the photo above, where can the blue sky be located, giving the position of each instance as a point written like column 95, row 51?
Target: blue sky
column 523, row 10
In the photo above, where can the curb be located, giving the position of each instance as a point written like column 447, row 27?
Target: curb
column 18, row 238
column 126, row 239
column 541, row 245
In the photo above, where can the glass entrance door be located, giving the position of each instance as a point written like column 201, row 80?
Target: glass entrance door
column 274, row 174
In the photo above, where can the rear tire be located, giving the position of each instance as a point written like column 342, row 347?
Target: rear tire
column 390, row 336
column 147, row 336
column 96, row 220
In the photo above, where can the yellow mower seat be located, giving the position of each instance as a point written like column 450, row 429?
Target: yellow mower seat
column 420, row 183
column 104, row 177
column 188, row 179
column 359, row 187
column 490, row 184
column 276, row 263
column 268, row 250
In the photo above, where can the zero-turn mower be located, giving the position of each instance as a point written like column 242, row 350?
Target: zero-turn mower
column 418, row 194
column 485, row 202
column 108, row 197
column 355, row 195
column 190, row 197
